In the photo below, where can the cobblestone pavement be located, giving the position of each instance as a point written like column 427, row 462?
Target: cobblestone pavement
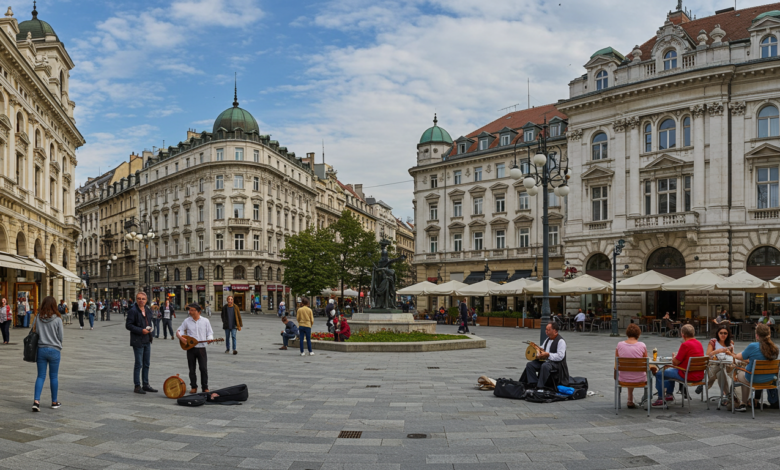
column 298, row 405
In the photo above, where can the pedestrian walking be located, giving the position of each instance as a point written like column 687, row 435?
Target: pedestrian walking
column 91, row 309
column 281, row 309
column 156, row 319
column 464, row 317
column 208, row 309
column 305, row 322
column 231, row 321
column 48, row 325
column 168, row 314
column 139, row 323
column 21, row 311
column 290, row 332
column 124, row 307
column 101, row 310
column 6, row 318
column 200, row 329
column 82, row 309
column 63, row 309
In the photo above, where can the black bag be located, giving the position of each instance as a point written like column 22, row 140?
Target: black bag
column 580, row 386
column 192, row 400
column 31, row 344
column 230, row 394
column 543, row 396
column 508, row 388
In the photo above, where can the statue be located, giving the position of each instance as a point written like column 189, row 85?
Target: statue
column 383, row 279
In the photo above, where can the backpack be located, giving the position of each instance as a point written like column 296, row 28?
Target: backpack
column 508, row 388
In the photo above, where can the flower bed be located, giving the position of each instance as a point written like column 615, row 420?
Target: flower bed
column 322, row 336
column 393, row 337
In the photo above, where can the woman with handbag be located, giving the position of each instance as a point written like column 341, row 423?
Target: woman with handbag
column 48, row 326
column 6, row 318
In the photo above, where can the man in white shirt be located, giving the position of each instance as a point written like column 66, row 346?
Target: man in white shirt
column 200, row 329
column 550, row 358
column 579, row 320
column 82, row 308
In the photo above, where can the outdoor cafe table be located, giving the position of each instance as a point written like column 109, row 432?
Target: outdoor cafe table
column 662, row 361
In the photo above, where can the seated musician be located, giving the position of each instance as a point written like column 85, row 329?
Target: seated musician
column 199, row 328
column 553, row 354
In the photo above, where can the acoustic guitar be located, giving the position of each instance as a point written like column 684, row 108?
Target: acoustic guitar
column 531, row 352
column 190, row 342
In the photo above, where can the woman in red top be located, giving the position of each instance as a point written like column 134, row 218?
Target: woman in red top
column 343, row 331
column 691, row 347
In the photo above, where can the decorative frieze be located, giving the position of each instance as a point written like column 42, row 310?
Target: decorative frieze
column 698, row 110
column 574, row 134
column 715, row 108
column 737, row 108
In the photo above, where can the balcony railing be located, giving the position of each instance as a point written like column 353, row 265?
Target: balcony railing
column 678, row 219
column 596, row 226
column 239, row 222
column 765, row 214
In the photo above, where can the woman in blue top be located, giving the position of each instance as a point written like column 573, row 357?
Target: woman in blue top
column 762, row 350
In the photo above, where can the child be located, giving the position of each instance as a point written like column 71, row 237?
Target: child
column 200, row 329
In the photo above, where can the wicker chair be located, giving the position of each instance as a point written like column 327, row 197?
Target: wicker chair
column 759, row 367
column 695, row 364
column 625, row 364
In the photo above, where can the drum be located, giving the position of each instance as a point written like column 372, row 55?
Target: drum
column 174, row 387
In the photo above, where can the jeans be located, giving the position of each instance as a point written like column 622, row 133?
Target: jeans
column 27, row 319
column 47, row 357
column 142, row 355
column 660, row 383
column 305, row 332
column 156, row 323
column 167, row 327
column 91, row 320
column 6, row 331
column 81, row 318
column 230, row 334
column 286, row 337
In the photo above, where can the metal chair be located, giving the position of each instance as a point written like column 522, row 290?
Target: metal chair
column 695, row 364
column 759, row 367
column 671, row 330
column 625, row 364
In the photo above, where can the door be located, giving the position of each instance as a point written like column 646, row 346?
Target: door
column 239, row 298
column 666, row 301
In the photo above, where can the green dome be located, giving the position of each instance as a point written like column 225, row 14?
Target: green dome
column 774, row 13
column 435, row 134
column 37, row 28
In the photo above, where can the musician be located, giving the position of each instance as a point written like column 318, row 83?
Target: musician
column 553, row 351
column 139, row 323
column 199, row 328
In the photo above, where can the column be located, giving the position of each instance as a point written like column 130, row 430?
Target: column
column 737, row 170
column 717, row 182
column 633, row 177
column 576, row 194
column 699, row 179
column 618, row 152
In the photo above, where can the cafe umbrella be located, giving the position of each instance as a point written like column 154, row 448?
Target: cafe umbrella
column 703, row 280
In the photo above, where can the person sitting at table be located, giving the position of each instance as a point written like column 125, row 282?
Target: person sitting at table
column 666, row 317
column 762, row 350
column 718, row 350
column 550, row 358
column 631, row 348
column 765, row 319
column 689, row 348
column 579, row 320
column 724, row 316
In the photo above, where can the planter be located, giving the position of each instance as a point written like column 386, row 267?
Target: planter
column 528, row 323
column 495, row 321
column 537, row 323
column 510, row 322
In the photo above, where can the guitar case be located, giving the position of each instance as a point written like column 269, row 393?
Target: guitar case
column 227, row 396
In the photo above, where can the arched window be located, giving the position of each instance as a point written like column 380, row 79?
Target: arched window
column 600, row 146
column 239, row 272
column 201, row 273
column 667, row 137
column 687, row 131
column 667, row 261
column 764, row 262
column 768, row 122
column 270, row 274
column 176, row 275
column 278, row 274
column 602, row 80
column 769, row 47
column 188, row 274
column 258, row 273
column 648, row 138
column 670, row 60
column 219, row 273
column 599, row 267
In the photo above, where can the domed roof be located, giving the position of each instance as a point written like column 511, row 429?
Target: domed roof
column 235, row 117
column 38, row 29
column 435, row 134
column 774, row 13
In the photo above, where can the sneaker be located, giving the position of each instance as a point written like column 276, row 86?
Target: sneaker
column 303, row 354
column 311, row 353
column 741, row 408
column 91, row 328
column 657, row 404
column 670, row 398
column 235, row 352
column 36, row 407
column 81, row 328
column 56, row 405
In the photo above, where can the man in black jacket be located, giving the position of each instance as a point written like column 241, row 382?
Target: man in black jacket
column 463, row 310
column 139, row 323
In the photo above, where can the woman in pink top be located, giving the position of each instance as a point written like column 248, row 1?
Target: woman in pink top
column 632, row 348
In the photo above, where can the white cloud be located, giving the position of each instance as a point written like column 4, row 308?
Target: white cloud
column 106, row 150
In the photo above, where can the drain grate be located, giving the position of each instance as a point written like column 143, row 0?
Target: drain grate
column 350, row 434
column 433, row 367
column 373, row 386
column 416, row 436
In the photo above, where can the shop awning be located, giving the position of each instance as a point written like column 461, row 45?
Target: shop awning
column 63, row 272
column 499, row 276
column 474, row 278
column 23, row 263
column 520, row 274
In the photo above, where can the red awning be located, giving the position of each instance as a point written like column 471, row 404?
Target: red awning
column 239, row 287
column 271, row 288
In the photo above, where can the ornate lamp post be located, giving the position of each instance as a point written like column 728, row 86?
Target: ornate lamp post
column 618, row 249
column 144, row 235
column 545, row 172
column 111, row 258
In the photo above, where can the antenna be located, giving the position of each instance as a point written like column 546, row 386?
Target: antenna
column 529, row 93
column 323, row 151
column 514, row 107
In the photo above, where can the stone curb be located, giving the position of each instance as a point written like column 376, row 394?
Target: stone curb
column 421, row 346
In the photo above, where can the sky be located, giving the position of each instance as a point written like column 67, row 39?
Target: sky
column 364, row 77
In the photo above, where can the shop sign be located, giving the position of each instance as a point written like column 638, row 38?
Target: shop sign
column 187, row 288
column 271, row 288
column 240, row 287
column 258, row 288
column 201, row 288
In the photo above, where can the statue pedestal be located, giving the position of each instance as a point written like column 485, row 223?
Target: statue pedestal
column 378, row 319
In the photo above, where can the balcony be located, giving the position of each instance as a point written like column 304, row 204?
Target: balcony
column 764, row 214
column 239, row 222
column 664, row 222
column 599, row 226
column 498, row 253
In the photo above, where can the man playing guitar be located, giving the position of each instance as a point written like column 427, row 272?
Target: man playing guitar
column 200, row 329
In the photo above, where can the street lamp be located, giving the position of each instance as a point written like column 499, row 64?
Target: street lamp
column 618, row 249
column 108, row 273
column 545, row 172
column 145, row 234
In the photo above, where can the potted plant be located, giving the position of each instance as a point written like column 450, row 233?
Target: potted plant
column 510, row 319
column 495, row 319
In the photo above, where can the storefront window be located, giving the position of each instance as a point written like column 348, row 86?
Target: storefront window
column 757, row 303
column 597, row 304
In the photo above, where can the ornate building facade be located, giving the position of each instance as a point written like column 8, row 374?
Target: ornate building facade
column 472, row 221
column 38, row 142
column 221, row 205
column 678, row 149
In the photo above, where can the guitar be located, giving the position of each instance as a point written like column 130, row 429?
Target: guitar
column 190, row 342
column 532, row 352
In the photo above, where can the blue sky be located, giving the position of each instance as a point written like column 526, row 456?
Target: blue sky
column 365, row 76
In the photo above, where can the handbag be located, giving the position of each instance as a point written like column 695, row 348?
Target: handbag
column 31, row 344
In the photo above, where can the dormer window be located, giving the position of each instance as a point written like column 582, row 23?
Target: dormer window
column 461, row 148
column 528, row 135
column 769, row 47
column 506, row 140
column 670, row 60
column 602, row 80
column 483, row 144
column 555, row 130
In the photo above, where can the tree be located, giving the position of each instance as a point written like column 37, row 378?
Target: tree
column 309, row 261
column 353, row 249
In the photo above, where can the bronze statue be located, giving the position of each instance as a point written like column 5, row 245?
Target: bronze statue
column 383, row 279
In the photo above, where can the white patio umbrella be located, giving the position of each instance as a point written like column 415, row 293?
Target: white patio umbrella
column 480, row 289
column 747, row 282
column 418, row 289
column 704, row 279
column 512, row 288
column 448, row 288
column 537, row 287
column 648, row 280
column 585, row 284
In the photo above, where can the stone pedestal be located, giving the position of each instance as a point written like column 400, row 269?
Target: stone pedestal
column 373, row 320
